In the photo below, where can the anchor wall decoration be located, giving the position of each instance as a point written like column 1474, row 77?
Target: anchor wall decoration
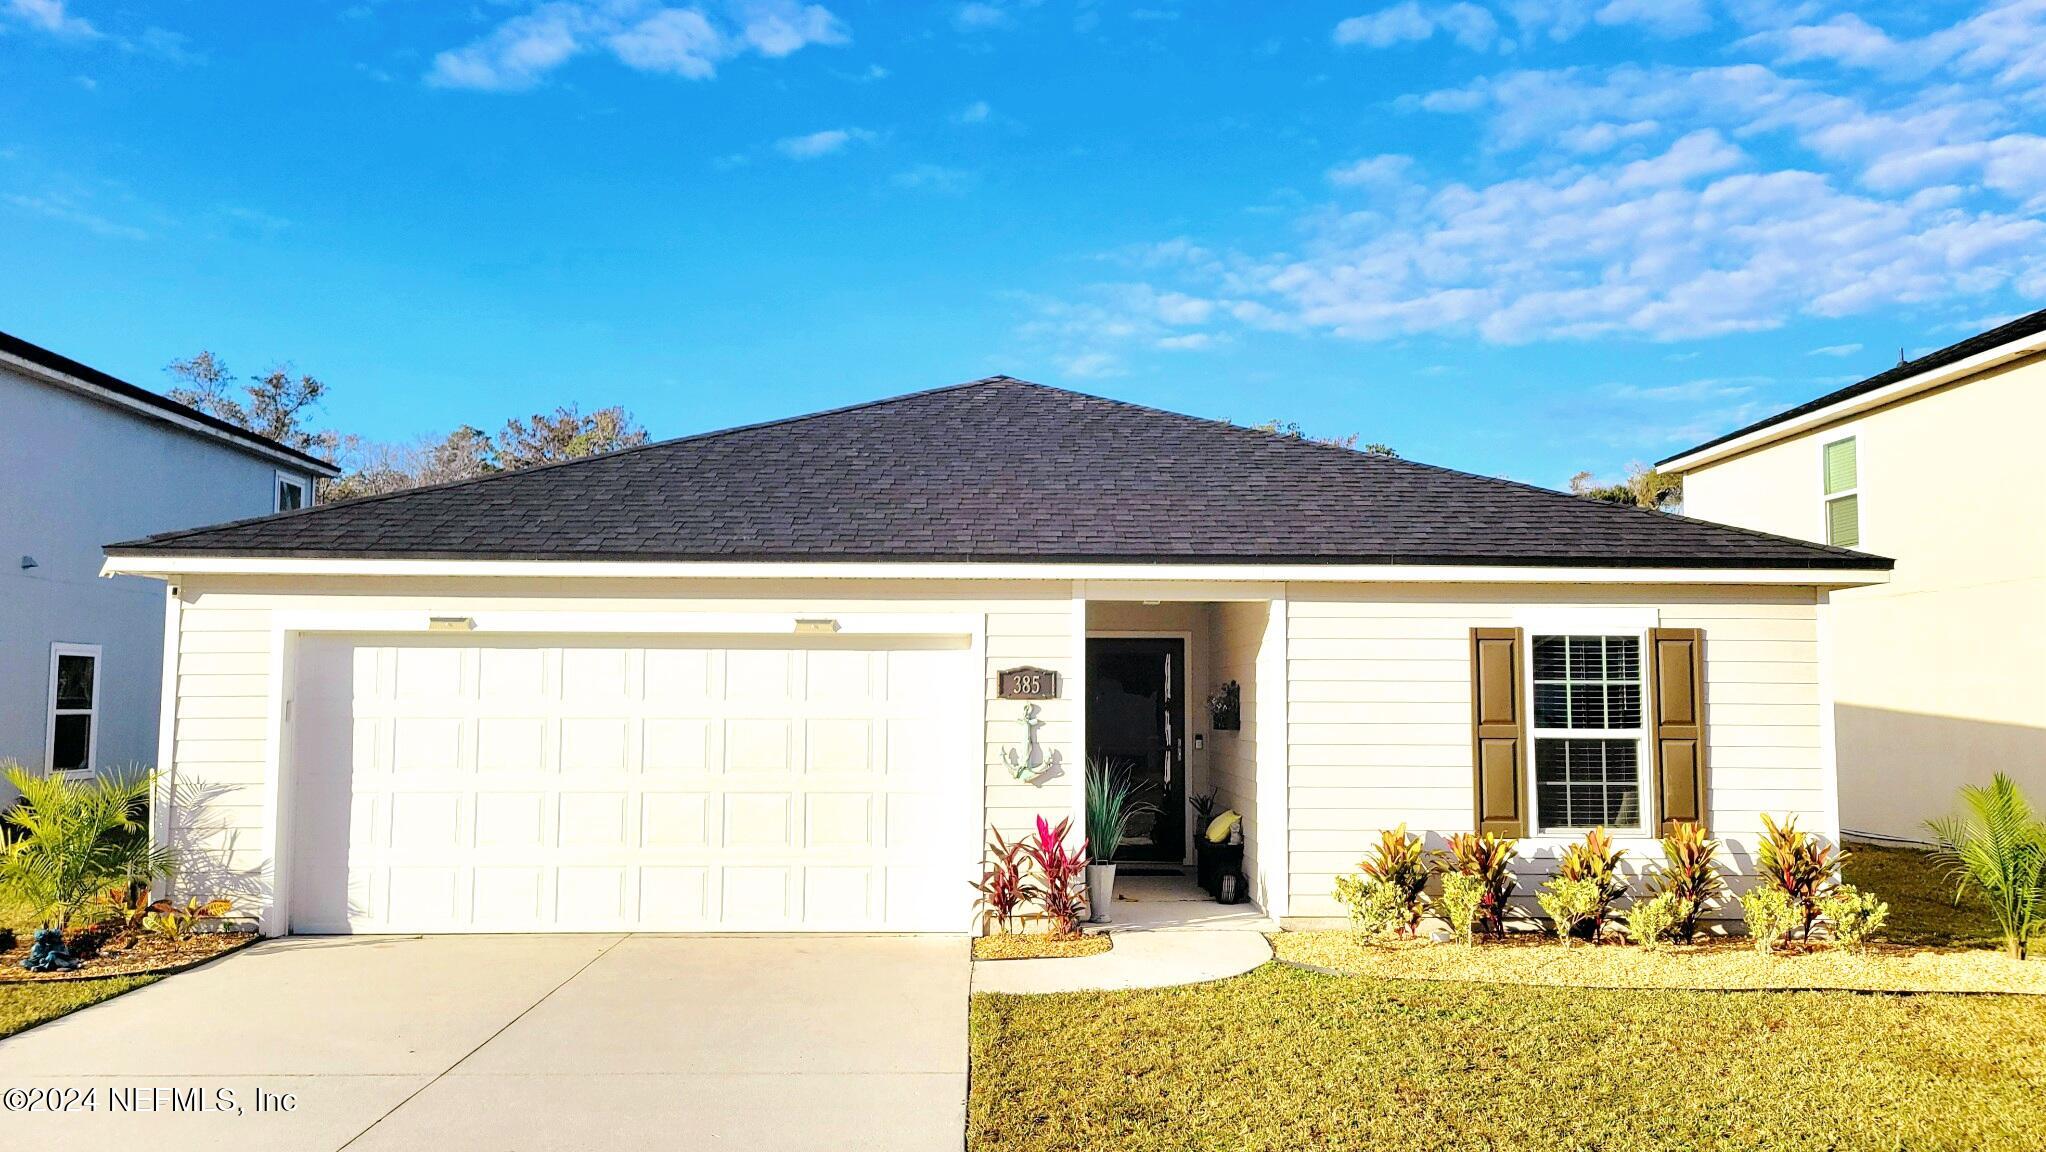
column 1031, row 761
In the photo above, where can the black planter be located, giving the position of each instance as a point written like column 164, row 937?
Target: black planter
column 1213, row 861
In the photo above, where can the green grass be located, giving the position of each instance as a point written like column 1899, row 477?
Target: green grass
column 27, row 1005
column 1288, row 1059
column 1921, row 899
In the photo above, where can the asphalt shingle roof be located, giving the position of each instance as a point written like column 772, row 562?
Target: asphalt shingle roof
column 2003, row 334
column 992, row 470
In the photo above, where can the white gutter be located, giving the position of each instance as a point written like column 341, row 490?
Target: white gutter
column 166, row 566
column 1887, row 394
column 247, row 443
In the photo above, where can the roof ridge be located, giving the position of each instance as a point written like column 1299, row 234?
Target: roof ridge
column 447, row 485
column 1987, row 340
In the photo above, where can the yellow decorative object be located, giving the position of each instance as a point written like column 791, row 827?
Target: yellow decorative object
column 1218, row 828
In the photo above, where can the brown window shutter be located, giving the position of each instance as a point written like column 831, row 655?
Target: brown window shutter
column 1499, row 731
column 1676, row 661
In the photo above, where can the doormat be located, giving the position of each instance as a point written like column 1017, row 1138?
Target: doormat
column 1138, row 870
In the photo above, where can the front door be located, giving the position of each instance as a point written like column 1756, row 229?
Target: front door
column 1136, row 719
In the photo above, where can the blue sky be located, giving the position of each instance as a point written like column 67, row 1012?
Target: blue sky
column 1523, row 237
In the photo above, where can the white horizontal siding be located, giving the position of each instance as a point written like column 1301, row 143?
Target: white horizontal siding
column 1379, row 715
column 222, row 721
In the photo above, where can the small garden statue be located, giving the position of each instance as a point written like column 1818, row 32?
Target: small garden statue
column 47, row 954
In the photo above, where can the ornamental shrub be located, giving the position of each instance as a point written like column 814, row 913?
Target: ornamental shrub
column 1855, row 915
column 1574, row 905
column 1771, row 916
column 1655, row 921
column 1689, row 872
column 1462, row 896
column 1375, row 907
column 1488, row 859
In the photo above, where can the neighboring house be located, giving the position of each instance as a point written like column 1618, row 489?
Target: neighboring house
column 751, row 680
column 84, row 459
column 1940, row 675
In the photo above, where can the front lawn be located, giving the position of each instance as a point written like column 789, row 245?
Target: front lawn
column 27, row 1005
column 1921, row 899
column 1286, row 1059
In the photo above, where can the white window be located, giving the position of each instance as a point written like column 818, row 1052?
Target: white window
column 1588, row 731
column 1842, row 476
column 291, row 493
column 73, row 737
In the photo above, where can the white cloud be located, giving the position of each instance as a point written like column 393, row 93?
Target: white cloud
column 816, row 144
column 51, row 16
column 974, row 113
column 1091, row 365
column 678, row 41
column 1666, row 18
column 687, row 41
column 1408, row 22
column 979, row 17
column 65, row 210
column 1372, row 171
column 1835, row 350
column 933, row 178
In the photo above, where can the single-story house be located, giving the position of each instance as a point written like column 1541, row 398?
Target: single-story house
column 753, row 680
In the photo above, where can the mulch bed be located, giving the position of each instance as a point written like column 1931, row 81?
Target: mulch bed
column 1038, row 946
column 1713, row 964
column 139, row 955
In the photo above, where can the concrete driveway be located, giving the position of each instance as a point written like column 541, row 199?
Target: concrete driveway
column 518, row 1042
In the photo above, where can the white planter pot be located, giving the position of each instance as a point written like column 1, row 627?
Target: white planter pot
column 1100, row 892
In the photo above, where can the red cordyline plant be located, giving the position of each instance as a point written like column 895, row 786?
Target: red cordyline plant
column 1062, row 871
column 1003, row 886
column 1489, row 858
column 1800, row 866
column 1597, row 862
column 1688, row 872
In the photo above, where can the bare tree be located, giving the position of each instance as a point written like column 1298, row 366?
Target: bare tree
column 275, row 404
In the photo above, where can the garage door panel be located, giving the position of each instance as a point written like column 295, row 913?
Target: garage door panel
column 517, row 786
column 675, row 744
column 674, row 819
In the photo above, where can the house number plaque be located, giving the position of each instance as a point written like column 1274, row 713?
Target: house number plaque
column 1027, row 684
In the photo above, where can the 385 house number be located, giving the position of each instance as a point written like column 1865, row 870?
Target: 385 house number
column 1027, row 684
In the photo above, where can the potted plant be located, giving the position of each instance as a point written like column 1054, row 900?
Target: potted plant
column 1111, row 804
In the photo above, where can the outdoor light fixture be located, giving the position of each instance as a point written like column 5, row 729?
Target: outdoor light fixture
column 28, row 562
column 815, row 625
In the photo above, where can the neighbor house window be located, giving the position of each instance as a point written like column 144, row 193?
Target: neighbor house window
column 290, row 493
column 74, row 707
column 1587, row 732
column 1843, row 502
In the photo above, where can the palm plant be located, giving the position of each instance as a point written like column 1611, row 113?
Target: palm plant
column 1111, row 804
column 71, row 840
column 2000, row 848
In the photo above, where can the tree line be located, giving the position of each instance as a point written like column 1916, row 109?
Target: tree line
column 280, row 404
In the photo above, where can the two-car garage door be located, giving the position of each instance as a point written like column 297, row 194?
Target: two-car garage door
column 450, row 785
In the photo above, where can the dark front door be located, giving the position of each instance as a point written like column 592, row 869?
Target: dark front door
column 1136, row 719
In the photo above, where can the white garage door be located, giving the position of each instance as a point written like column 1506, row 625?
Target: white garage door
column 456, row 786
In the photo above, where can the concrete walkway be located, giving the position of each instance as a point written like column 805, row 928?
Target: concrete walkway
column 535, row 1043
column 1138, row 960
